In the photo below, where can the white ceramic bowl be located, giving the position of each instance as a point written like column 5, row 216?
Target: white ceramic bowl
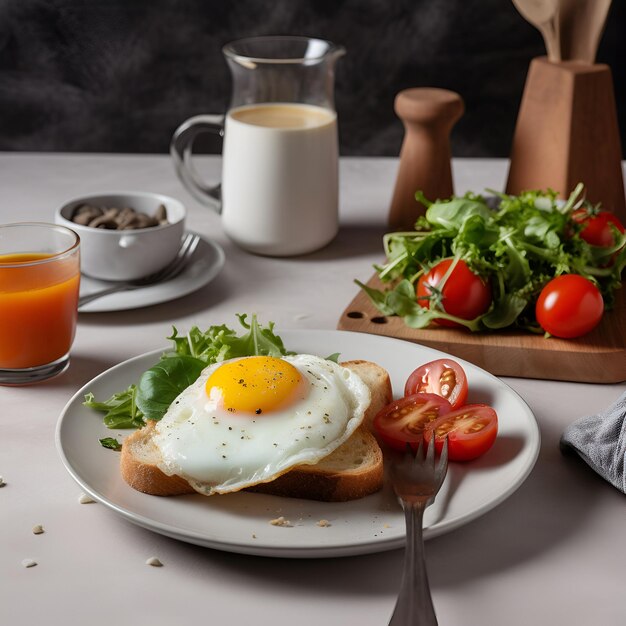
column 126, row 254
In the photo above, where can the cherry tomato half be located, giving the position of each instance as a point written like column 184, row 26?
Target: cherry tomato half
column 444, row 377
column 471, row 431
column 597, row 229
column 464, row 294
column 403, row 421
column 569, row 306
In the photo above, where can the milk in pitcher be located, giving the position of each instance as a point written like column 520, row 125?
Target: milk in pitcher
column 280, row 179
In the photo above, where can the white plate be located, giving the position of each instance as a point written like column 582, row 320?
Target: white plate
column 204, row 265
column 240, row 522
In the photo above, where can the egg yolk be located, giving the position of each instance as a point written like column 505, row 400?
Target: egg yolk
column 256, row 384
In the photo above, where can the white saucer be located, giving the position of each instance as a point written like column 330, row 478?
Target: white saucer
column 205, row 264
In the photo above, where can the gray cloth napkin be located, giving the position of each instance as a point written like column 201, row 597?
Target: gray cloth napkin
column 600, row 440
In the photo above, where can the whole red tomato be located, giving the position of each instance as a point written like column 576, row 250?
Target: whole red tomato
column 464, row 294
column 569, row 306
column 597, row 229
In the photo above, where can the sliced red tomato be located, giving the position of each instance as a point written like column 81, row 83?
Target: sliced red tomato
column 403, row 421
column 597, row 229
column 471, row 431
column 444, row 377
column 463, row 293
column 569, row 306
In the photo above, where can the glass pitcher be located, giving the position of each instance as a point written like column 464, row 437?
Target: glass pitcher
column 279, row 190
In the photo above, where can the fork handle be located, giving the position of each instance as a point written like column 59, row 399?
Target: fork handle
column 414, row 606
column 90, row 297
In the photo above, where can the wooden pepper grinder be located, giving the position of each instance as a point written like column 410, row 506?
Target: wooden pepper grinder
column 428, row 115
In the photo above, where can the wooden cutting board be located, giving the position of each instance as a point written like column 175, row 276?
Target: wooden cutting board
column 599, row 357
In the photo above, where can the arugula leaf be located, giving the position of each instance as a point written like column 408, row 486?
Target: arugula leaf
column 378, row 298
column 506, row 310
column 111, row 443
column 453, row 213
column 402, row 300
column 219, row 343
column 120, row 410
column 258, row 341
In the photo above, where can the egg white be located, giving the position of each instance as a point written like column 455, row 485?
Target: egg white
column 217, row 451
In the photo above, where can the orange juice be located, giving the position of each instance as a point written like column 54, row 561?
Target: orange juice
column 38, row 308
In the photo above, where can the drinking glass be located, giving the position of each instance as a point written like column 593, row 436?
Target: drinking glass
column 39, row 283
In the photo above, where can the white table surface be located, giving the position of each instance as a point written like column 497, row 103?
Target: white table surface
column 552, row 553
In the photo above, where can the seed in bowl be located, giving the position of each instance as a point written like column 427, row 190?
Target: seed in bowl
column 112, row 218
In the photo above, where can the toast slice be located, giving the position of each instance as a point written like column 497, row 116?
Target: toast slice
column 352, row 471
column 377, row 379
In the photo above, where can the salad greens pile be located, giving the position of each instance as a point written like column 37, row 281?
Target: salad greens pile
column 179, row 368
column 517, row 243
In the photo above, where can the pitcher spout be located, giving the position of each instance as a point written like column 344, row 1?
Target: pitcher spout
column 336, row 52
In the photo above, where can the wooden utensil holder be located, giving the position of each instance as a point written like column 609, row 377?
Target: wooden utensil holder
column 567, row 132
column 428, row 115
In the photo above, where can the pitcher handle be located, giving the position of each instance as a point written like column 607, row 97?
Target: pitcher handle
column 181, row 151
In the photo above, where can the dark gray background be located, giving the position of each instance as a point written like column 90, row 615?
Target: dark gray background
column 120, row 75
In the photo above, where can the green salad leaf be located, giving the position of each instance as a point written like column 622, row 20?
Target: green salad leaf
column 111, row 443
column 516, row 243
column 219, row 343
column 120, row 410
column 150, row 398
column 159, row 386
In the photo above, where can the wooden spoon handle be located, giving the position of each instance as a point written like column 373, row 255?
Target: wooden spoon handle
column 543, row 14
column 551, row 38
column 581, row 23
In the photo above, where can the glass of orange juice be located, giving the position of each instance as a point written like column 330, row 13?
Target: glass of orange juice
column 39, row 281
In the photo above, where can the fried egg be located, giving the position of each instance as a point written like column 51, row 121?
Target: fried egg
column 247, row 421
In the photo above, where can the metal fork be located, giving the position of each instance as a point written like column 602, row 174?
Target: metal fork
column 187, row 248
column 416, row 480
